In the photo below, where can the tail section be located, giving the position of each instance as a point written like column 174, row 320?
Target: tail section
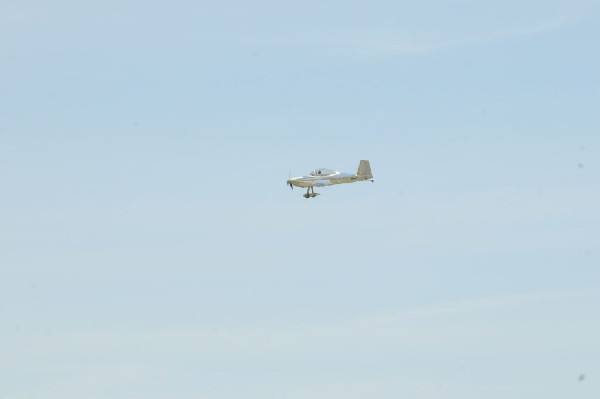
column 364, row 170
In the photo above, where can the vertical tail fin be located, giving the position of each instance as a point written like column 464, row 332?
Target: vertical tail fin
column 364, row 170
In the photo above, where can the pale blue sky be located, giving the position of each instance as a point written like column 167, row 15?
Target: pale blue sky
column 149, row 246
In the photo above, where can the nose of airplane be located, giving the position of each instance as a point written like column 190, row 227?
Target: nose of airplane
column 289, row 182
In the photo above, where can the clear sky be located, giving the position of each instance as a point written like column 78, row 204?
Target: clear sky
column 150, row 248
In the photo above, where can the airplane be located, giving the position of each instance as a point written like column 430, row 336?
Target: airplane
column 326, row 177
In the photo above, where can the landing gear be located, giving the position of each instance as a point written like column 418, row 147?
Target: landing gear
column 309, row 194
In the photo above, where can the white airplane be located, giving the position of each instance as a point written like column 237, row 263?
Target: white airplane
column 326, row 177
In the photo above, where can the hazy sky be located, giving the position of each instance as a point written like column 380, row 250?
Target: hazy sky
column 150, row 248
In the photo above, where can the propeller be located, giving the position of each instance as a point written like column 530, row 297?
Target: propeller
column 289, row 182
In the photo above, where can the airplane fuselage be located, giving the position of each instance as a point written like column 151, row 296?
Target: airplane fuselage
column 325, row 180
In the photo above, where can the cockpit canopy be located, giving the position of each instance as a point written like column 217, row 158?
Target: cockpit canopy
column 323, row 172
